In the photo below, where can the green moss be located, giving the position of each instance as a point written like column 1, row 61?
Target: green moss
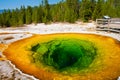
column 65, row 54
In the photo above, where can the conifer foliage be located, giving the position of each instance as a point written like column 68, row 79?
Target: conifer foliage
column 63, row 11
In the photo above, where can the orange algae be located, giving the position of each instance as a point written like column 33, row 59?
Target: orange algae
column 105, row 66
column 2, row 47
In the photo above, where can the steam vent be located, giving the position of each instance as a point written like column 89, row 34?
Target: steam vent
column 67, row 56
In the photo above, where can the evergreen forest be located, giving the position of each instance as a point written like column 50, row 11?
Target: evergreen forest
column 63, row 11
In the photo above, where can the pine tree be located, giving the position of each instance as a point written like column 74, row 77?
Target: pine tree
column 55, row 13
column 35, row 15
column 28, row 15
column 14, row 18
column 86, row 10
column 92, row 5
column 3, row 17
column 117, row 7
column 8, row 17
column 40, row 13
column 76, row 8
column 21, row 18
column 99, row 10
column 72, row 10
column 1, row 20
column 110, row 9
column 47, row 15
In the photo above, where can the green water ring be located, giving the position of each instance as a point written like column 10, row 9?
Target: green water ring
column 65, row 55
